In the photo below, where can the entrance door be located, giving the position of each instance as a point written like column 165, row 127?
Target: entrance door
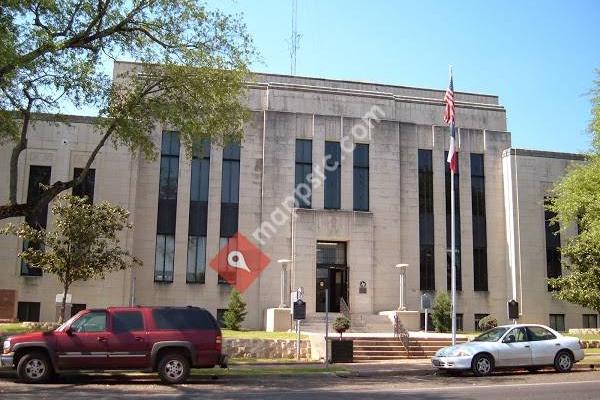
column 332, row 275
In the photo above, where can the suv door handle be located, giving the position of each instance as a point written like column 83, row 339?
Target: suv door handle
column 139, row 338
column 101, row 339
column 527, row 346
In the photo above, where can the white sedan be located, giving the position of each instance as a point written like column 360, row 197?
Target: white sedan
column 512, row 346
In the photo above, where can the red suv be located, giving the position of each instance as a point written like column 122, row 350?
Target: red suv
column 169, row 340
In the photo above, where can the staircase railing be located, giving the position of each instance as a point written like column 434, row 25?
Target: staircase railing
column 401, row 333
column 344, row 308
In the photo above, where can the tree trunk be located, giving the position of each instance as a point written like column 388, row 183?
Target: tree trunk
column 63, row 305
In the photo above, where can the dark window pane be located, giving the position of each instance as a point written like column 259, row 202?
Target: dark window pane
column 229, row 219
column 426, row 234
column 38, row 176
column 303, row 185
column 198, row 218
column 230, row 186
column 449, row 222
column 76, row 307
column 167, row 214
column 28, row 311
column 590, row 321
column 331, row 253
column 183, row 318
column 480, row 276
column 170, row 144
column 127, row 321
column 557, row 322
column 361, row 177
column 553, row 258
column 86, row 187
column 164, row 258
column 196, row 262
column 332, row 175
column 231, row 152
column 199, row 179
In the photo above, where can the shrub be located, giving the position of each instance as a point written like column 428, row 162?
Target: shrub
column 236, row 311
column 441, row 313
column 341, row 325
column 488, row 322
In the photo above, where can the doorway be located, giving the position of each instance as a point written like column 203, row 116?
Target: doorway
column 332, row 274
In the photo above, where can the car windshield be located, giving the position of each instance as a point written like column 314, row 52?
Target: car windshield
column 491, row 336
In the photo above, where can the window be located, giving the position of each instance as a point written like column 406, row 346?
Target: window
column 230, row 192
column 480, row 273
column 459, row 322
column 333, row 253
column 76, row 307
column 553, row 267
column 590, row 321
column 94, row 321
column 86, row 187
column 456, row 227
column 28, row 311
column 183, row 318
column 333, row 176
column 303, row 185
column 426, row 241
column 127, row 321
column 537, row 333
column 477, row 318
column 227, row 275
column 519, row 334
column 39, row 176
column 557, row 322
column 361, row 177
column 198, row 218
column 164, row 263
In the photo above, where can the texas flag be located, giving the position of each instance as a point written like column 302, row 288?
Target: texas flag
column 449, row 119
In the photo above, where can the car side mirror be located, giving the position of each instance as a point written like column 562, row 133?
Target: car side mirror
column 510, row 339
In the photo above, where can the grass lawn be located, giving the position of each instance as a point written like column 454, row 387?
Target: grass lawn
column 229, row 334
column 12, row 328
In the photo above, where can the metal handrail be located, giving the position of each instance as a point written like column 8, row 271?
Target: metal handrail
column 402, row 333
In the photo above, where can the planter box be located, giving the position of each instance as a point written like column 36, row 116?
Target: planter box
column 341, row 351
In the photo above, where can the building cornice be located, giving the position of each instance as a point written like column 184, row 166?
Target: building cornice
column 543, row 154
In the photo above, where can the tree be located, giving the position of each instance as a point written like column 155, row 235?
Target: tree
column 441, row 312
column 83, row 245
column 236, row 311
column 192, row 64
column 576, row 200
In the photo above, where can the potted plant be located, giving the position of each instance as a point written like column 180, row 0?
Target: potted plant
column 341, row 350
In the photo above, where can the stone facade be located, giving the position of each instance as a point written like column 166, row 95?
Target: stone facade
column 395, row 122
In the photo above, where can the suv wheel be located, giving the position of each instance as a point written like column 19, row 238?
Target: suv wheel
column 173, row 368
column 34, row 367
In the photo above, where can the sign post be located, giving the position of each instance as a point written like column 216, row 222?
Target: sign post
column 426, row 305
column 298, row 314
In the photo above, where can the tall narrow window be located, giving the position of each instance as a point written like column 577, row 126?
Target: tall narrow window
column 167, row 208
column 86, row 187
column 456, row 227
column 333, row 176
column 361, row 177
column 426, row 258
column 196, row 260
column 303, row 170
column 480, row 273
column 553, row 267
column 230, row 194
column 39, row 176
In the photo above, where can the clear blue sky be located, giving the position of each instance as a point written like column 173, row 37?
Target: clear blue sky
column 539, row 57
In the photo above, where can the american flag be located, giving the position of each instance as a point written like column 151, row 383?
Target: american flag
column 449, row 119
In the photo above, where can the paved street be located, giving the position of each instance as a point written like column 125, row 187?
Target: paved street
column 545, row 385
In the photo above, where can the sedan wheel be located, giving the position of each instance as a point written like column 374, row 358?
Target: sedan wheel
column 482, row 365
column 563, row 362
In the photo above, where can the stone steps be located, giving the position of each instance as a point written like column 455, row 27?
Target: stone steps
column 374, row 349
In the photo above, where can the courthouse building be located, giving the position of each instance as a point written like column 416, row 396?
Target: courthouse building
column 386, row 203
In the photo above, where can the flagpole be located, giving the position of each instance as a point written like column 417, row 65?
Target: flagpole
column 453, row 243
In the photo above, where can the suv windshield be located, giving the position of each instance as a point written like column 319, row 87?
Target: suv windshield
column 491, row 336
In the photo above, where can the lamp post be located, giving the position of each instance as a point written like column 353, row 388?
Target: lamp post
column 402, row 269
column 284, row 263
